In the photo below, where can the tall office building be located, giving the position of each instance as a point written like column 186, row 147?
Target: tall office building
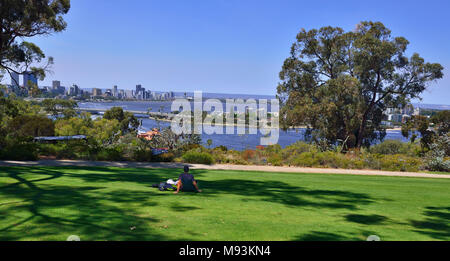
column 96, row 92
column 76, row 89
column 56, row 85
column 138, row 88
column 15, row 79
column 115, row 92
column 29, row 77
column 129, row 94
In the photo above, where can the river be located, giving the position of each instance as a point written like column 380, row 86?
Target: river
column 234, row 141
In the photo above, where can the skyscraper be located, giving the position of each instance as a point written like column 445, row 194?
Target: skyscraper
column 96, row 92
column 115, row 93
column 138, row 88
column 56, row 85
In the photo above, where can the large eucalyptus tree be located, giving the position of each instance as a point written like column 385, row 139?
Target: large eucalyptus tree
column 339, row 83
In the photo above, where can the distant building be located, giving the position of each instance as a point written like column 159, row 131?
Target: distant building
column 115, row 93
column 399, row 114
column 121, row 94
column 417, row 111
column 108, row 93
column 138, row 88
column 96, row 92
column 56, row 85
column 74, row 90
column 129, row 94
column 61, row 90
column 15, row 79
column 29, row 77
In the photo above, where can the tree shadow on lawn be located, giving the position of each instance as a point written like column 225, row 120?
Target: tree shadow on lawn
column 324, row 236
column 86, row 211
column 366, row 219
column 109, row 174
column 283, row 193
column 436, row 223
column 271, row 191
column 96, row 213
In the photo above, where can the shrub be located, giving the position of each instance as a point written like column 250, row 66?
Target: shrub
column 400, row 163
column 438, row 164
column 47, row 149
column 390, row 147
column 393, row 147
column 372, row 161
column 198, row 157
column 436, row 158
column 63, row 150
column 221, row 148
column 275, row 160
column 165, row 157
column 142, row 155
column 21, row 151
column 31, row 126
column 189, row 147
column 237, row 161
column 273, row 149
column 109, row 154
column 248, row 154
column 306, row 159
column 300, row 147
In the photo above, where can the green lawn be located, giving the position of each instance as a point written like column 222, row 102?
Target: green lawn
column 52, row 203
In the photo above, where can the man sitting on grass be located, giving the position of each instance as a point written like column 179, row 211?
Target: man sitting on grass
column 186, row 182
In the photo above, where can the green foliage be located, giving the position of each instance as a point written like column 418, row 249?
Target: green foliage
column 68, row 150
column 389, row 155
column 143, row 155
column 429, row 129
column 25, row 19
column 165, row 157
column 437, row 158
column 275, row 160
column 392, row 147
column 31, row 126
column 209, row 142
column 441, row 122
column 127, row 121
column 58, row 107
column 339, row 83
column 19, row 151
column 196, row 157
column 415, row 125
column 100, row 131
column 109, row 154
column 221, row 148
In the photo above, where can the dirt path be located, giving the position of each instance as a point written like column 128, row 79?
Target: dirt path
column 220, row 167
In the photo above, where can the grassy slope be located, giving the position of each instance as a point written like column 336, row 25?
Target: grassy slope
column 51, row 203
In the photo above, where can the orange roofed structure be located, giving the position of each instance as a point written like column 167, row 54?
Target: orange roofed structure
column 149, row 135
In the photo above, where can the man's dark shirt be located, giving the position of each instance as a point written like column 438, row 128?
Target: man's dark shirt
column 186, row 176
column 188, row 181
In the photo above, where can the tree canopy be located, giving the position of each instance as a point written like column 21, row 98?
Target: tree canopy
column 339, row 83
column 21, row 19
column 128, row 122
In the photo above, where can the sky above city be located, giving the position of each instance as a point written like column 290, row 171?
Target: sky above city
column 222, row 46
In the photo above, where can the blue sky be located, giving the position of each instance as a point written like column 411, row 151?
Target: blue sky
column 223, row 46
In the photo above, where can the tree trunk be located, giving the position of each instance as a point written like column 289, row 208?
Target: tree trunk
column 362, row 129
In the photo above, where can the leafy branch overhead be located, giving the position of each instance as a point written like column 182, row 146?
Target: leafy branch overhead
column 339, row 83
column 22, row 19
